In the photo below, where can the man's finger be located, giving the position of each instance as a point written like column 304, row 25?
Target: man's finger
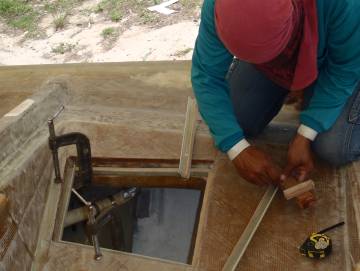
column 304, row 173
column 274, row 174
column 264, row 178
column 287, row 172
column 302, row 176
column 254, row 179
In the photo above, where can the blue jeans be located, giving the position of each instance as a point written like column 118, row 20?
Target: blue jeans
column 257, row 100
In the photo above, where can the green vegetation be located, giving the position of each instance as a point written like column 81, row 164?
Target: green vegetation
column 61, row 9
column 115, row 10
column 25, row 15
column 63, row 48
column 111, row 8
column 190, row 4
column 60, row 21
column 61, row 6
column 19, row 14
column 109, row 32
column 148, row 17
column 115, row 15
column 110, row 36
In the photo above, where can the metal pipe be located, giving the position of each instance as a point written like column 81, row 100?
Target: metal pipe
column 94, row 237
column 80, row 214
column 87, row 203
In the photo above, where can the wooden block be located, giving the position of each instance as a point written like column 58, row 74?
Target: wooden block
column 299, row 189
column 304, row 197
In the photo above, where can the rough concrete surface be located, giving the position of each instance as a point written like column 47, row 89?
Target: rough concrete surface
column 136, row 110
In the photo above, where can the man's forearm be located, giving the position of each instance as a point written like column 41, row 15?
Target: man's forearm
column 303, row 130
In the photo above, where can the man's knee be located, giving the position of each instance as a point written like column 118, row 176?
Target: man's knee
column 330, row 148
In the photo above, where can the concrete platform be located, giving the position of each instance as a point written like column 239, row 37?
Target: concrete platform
column 136, row 111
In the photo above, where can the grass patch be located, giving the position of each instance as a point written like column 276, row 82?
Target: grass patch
column 13, row 8
column 110, row 32
column 110, row 36
column 190, row 4
column 61, row 9
column 60, row 21
column 19, row 14
column 115, row 15
column 61, row 6
column 148, row 17
column 114, row 9
column 63, row 48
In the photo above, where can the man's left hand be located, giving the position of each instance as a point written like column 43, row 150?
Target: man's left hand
column 300, row 159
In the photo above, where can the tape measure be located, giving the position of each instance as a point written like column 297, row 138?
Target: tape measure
column 318, row 245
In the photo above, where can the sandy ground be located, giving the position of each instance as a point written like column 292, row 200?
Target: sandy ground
column 83, row 34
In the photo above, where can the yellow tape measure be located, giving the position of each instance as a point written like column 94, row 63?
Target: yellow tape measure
column 318, row 245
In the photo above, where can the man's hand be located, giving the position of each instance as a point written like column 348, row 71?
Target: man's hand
column 300, row 161
column 257, row 167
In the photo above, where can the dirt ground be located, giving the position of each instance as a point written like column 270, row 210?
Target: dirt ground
column 101, row 31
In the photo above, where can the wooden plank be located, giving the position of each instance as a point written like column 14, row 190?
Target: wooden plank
column 75, row 257
column 112, row 171
column 201, row 232
column 149, row 181
column 250, row 230
column 47, row 224
column 188, row 139
column 64, row 201
column 143, row 162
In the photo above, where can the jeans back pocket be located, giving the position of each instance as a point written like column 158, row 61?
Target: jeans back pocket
column 354, row 114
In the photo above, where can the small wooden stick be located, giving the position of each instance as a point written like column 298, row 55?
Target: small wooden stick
column 188, row 139
column 245, row 238
column 299, row 189
column 304, row 194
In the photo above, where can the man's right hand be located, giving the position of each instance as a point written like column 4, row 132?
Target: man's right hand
column 257, row 167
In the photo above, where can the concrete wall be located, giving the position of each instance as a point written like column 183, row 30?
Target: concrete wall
column 26, row 171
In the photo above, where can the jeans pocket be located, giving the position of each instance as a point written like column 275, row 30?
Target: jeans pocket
column 354, row 114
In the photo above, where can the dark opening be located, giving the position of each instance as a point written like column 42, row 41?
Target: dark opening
column 160, row 221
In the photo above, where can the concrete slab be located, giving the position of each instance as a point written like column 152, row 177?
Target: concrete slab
column 136, row 110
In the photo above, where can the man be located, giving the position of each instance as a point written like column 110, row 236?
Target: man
column 281, row 47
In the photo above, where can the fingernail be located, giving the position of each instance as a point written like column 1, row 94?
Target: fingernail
column 282, row 177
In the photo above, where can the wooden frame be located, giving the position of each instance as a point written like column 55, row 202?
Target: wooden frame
column 241, row 246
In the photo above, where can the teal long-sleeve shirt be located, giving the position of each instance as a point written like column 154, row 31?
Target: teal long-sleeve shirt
column 338, row 65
